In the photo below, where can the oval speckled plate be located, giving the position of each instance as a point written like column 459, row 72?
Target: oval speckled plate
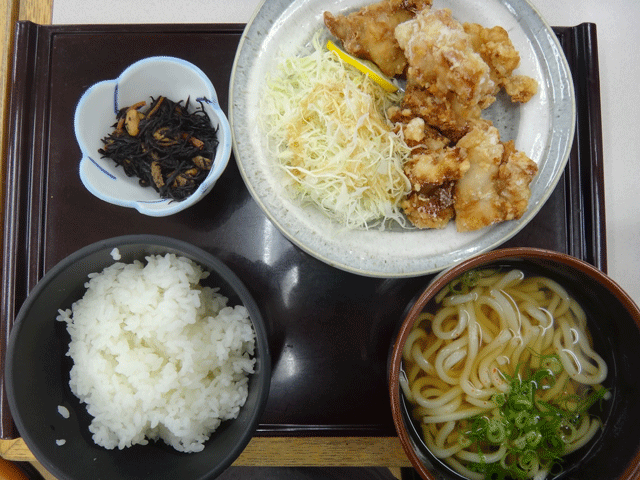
column 543, row 128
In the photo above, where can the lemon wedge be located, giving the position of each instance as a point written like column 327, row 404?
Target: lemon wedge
column 354, row 62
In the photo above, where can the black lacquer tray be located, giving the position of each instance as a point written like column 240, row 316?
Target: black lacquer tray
column 330, row 331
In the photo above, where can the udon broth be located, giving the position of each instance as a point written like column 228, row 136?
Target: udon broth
column 502, row 374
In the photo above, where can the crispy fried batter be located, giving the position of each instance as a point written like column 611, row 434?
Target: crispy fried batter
column 433, row 168
column 441, row 59
column 437, row 112
column 454, row 72
column 497, row 50
column 430, row 208
column 520, row 88
column 459, row 168
column 448, row 83
column 369, row 32
column 433, row 159
column 496, row 186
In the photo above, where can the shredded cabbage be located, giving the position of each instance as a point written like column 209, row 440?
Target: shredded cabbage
column 328, row 130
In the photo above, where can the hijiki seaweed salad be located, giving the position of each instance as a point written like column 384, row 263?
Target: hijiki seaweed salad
column 166, row 146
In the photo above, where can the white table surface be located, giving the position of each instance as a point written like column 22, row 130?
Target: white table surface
column 618, row 46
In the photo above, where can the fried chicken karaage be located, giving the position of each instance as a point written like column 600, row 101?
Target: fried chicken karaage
column 448, row 82
column 454, row 72
column 369, row 32
column 432, row 170
column 496, row 186
column 442, row 60
column 459, row 168
column 497, row 50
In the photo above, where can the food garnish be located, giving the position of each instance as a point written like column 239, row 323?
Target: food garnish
column 536, row 432
column 330, row 134
column 166, row 146
column 368, row 70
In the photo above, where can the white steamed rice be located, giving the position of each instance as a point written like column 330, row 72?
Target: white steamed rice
column 156, row 355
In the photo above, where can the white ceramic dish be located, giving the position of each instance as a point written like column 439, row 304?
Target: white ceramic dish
column 95, row 115
column 543, row 129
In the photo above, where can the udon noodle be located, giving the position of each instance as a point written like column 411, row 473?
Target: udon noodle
column 501, row 376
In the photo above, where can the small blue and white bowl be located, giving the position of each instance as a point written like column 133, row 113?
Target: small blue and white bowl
column 95, row 116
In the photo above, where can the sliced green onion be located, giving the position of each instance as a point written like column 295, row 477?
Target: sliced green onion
column 534, row 437
column 551, row 362
column 468, row 280
column 496, row 431
column 499, row 399
column 536, row 431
